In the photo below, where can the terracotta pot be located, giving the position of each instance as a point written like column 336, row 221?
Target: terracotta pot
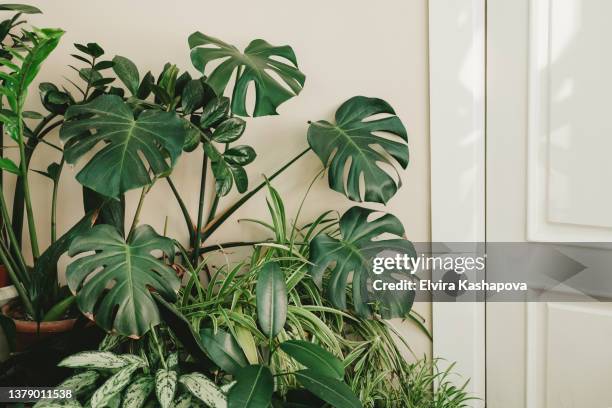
column 29, row 332
column 4, row 277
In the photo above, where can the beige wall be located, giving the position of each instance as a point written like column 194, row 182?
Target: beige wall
column 344, row 47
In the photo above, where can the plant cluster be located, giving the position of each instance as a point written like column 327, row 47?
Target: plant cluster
column 295, row 323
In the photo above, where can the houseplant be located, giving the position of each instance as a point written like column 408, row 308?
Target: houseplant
column 130, row 137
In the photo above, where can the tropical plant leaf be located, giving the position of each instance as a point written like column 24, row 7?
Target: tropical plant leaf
column 183, row 401
column 228, row 167
column 138, row 391
column 314, row 357
column 214, row 112
column 330, row 390
column 114, row 385
column 353, row 255
column 21, row 8
column 254, row 65
column 223, row 349
column 99, row 360
column 81, row 383
column 165, row 386
column 352, row 139
column 118, row 167
column 204, row 389
column 253, row 389
column 127, row 306
column 271, row 294
column 127, row 72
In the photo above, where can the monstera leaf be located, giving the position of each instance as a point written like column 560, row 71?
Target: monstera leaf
column 353, row 255
column 131, row 146
column 352, row 138
column 132, row 272
column 255, row 64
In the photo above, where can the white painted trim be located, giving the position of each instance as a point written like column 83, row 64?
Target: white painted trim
column 457, row 64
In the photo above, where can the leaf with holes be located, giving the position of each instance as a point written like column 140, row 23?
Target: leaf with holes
column 127, row 307
column 132, row 147
column 352, row 139
column 204, row 389
column 352, row 255
column 165, row 386
column 256, row 64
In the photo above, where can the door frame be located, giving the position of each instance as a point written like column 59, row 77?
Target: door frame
column 457, row 89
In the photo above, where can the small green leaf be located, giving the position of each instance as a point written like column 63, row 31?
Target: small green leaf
column 21, row 8
column 229, row 130
column 271, row 292
column 32, row 115
column 127, row 72
column 253, row 389
column 214, row 112
column 240, row 155
column 192, row 96
column 330, row 390
column 104, row 65
column 165, row 386
column 204, row 389
column 223, row 349
column 8, row 165
column 95, row 50
column 314, row 357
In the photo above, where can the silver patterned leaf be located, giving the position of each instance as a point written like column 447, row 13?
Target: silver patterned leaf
column 165, row 386
column 204, row 389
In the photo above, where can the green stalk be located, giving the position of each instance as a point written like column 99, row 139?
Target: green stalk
column 11, row 234
column 18, row 284
column 213, row 208
column 217, row 222
column 198, row 233
column 143, row 194
column 54, row 205
column 181, row 203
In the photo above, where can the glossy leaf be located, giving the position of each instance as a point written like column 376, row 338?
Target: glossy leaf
column 352, row 255
column 351, row 142
column 193, row 95
column 214, row 112
column 314, row 357
column 127, row 72
column 330, row 390
column 9, row 165
column 165, row 386
column 254, row 65
column 271, row 293
column 229, row 130
column 228, row 167
column 223, row 349
column 117, row 167
column 253, row 389
column 127, row 306
column 204, row 389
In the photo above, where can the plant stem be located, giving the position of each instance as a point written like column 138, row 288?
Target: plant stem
column 213, row 208
column 143, row 194
column 54, row 204
column 181, row 203
column 11, row 234
column 198, row 233
column 216, row 223
column 26, row 186
column 18, row 283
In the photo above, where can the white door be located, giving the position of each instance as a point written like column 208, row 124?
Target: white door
column 548, row 178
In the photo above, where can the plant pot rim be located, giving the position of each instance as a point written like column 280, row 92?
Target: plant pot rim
column 27, row 326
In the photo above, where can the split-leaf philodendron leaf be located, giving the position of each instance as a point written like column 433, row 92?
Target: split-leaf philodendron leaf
column 119, row 166
column 127, row 307
column 353, row 139
column 255, row 64
column 353, row 254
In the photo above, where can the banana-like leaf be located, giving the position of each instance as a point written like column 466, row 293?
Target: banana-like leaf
column 165, row 386
column 253, row 389
column 204, row 389
column 353, row 139
column 258, row 59
column 119, row 166
column 352, row 256
column 131, row 268
column 113, row 386
column 271, row 294
column 138, row 391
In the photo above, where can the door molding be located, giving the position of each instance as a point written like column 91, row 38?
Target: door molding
column 457, row 66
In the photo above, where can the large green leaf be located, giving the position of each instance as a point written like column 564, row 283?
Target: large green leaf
column 253, row 389
column 352, row 255
column 271, row 294
column 314, row 358
column 255, row 64
column 330, row 390
column 223, row 349
column 204, row 389
column 353, row 139
column 132, row 147
column 165, row 386
column 127, row 306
